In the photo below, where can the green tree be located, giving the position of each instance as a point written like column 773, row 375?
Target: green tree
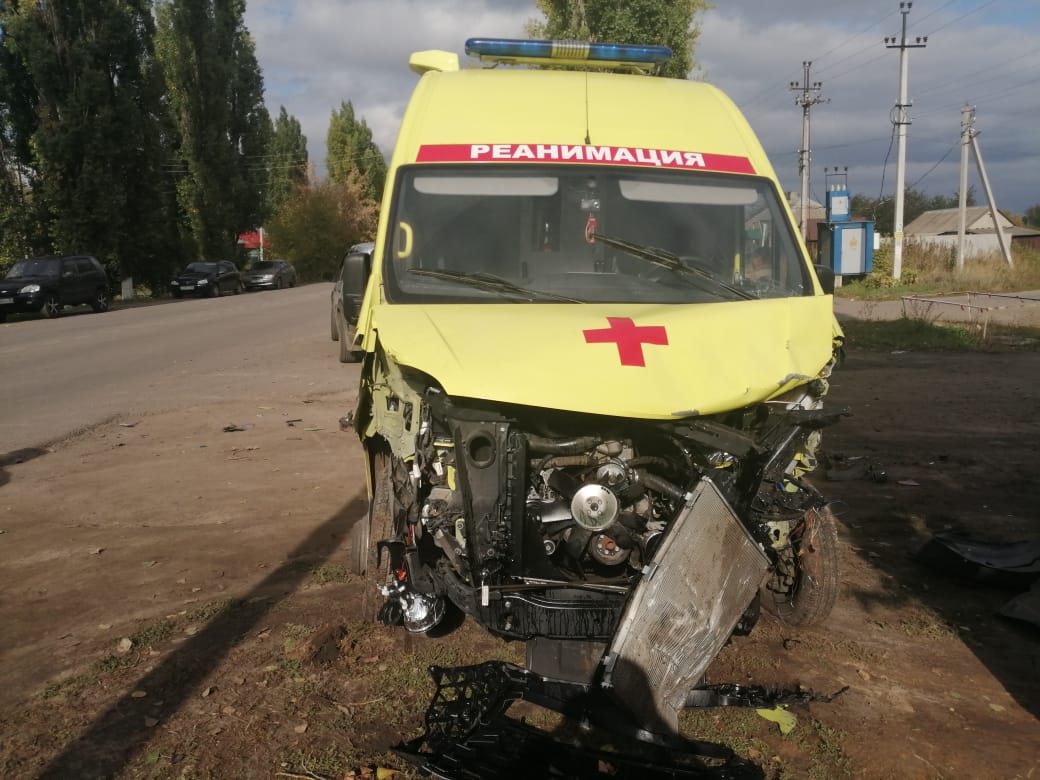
column 915, row 203
column 1032, row 216
column 220, row 127
column 669, row 23
column 286, row 160
column 84, row 102
column 316, row 226
column 351, row 149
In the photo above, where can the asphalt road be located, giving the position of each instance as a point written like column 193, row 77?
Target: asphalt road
column 65, row 375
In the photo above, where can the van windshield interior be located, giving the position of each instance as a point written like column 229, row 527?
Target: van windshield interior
column 536, row 233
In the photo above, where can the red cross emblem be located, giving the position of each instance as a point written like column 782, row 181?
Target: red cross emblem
column 629, row 338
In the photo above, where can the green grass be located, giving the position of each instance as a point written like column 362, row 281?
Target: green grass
column 210, row 610
column 329, row 572
column 931, row 270
column 919, row 334
column 153, row 633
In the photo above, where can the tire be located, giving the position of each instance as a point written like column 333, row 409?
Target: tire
column 808, row 592
column 278, row 284
column 100, row 302
column 51, row 306
column 178, row 295
column 379, row 523
column 333, row 327
column 214, row 291
column 3, row 316
column 346, row 341
column 239, row 288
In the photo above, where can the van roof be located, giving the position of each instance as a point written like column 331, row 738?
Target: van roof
column 530, row 106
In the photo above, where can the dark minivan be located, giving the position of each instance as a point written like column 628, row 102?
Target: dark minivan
column 48, row 284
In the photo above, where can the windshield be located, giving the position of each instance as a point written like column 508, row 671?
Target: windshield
column 201, row 268
column 37, row 266
column 594, row 234
column 265, row 265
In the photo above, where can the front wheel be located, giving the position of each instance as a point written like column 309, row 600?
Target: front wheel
column 378, row 525
column 214, row 290
column 804, row 585
column 100, row 301
column 346, row 341
column 51, row 306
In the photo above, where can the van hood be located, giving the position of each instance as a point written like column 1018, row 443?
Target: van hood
column 642, row 361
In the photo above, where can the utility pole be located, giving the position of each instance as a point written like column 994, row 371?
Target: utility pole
column 810, row 97
column 902, row 121
column 967, row 119
column 1001, row 239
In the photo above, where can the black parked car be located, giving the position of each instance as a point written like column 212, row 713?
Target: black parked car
column 355, row 268
column 270, row 274
column 210, row 278
column 47, row 284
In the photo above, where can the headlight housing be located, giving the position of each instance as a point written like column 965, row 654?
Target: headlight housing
column 202, row 281
column 30, row 288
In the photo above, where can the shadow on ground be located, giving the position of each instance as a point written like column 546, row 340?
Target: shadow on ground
column 959, row 441
column 15, row 457
column 115, row 737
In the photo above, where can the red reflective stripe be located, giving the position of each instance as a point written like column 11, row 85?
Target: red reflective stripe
column 582, row 154
column 629, row 338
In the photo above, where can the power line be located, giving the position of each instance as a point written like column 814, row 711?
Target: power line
column 962, row 16
column 925, row 175
column 854, row 37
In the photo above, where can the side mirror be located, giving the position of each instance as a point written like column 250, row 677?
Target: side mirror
column 826, row 276
column 356, row 270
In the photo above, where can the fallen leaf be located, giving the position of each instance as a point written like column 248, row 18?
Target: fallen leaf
column 138, row 695
column 208, row 691
column 383, row 773
column 104, row 626
column 909, row 483
column 781, row 717
column 96, row 550
column 266, row 408
column 997, row 708
column 125, row 645
column 301, row 728
column 312, row 428
column 151, row 722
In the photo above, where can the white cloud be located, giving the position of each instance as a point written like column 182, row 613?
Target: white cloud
column 318, row 53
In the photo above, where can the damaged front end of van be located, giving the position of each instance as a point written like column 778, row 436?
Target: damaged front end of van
column 592, row 384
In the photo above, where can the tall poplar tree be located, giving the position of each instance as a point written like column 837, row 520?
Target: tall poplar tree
column 214, row 90
column 669, row 23
column 351, row 149
column 286, row 160
column 92, row 139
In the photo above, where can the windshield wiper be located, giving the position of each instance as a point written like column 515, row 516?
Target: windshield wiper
column 490, row 282
column 697, row 277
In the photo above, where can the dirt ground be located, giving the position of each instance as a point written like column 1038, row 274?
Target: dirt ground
column 174, row 599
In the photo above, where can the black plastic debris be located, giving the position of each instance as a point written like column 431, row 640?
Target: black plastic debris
column 756, row 696
column 1010, row 564
column 469, row 736
column 1025, row 606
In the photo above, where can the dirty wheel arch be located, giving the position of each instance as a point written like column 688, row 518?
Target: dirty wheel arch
column 378, row 524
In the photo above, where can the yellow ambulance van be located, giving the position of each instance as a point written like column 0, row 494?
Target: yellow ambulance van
column 594, row 354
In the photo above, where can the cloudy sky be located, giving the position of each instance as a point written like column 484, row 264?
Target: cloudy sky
column 316, row 54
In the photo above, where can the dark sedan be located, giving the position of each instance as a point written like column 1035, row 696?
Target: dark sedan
column 270, row 275
column 211, row 278
column 48, row 284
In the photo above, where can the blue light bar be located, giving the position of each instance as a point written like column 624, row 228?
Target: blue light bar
column 572, row 51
